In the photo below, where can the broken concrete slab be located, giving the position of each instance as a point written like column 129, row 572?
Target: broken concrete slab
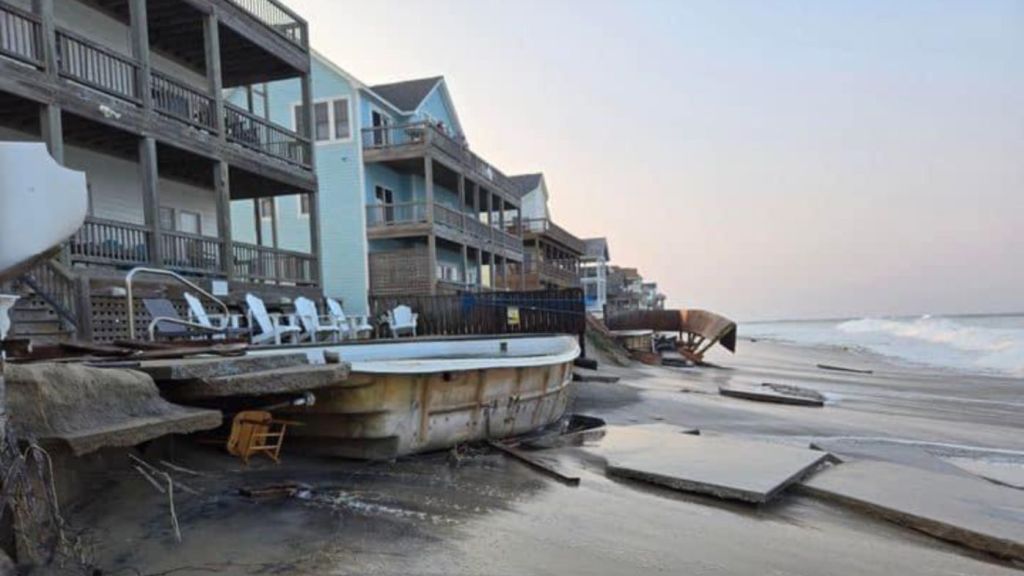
column 853, row 449
column 202, row 368
column 968, row 511
column 1007, row 473
column 278, row 381
column 726, row 468
column 91, row 408
column 774, row 393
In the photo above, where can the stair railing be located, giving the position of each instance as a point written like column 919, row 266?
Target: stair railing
column 56, row 286
column 152, row 324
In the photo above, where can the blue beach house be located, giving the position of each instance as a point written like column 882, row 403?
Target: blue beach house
column 405, row 206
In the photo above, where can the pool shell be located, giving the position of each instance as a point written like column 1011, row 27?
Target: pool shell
column 404, row 397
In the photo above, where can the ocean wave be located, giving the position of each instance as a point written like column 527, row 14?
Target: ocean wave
column 985, row 344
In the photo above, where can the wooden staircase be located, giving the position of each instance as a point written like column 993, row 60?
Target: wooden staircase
column 46, row 312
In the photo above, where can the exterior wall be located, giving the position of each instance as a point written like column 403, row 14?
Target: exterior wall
column 341, row 205
column 535, row 203
column 436, row 108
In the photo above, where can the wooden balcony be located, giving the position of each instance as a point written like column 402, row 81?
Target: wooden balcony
column 260, row 135
column 412, row 219
column 122, row 245
column 533, row 227
column 387, row 143
column 277, row 17
column 540, row 274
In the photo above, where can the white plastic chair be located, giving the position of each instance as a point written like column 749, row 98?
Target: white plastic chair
column 350, row 326
column 197, row 313
column 310, row 319
column 402, row 319
column 270, row 328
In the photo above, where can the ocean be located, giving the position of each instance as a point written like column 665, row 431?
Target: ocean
column 990, row 344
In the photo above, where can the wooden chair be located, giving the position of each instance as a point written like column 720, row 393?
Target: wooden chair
column 257, row 432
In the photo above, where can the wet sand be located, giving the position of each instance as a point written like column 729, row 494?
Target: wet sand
column 487, row 514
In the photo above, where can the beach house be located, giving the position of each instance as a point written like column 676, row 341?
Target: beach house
column 406, row 207
column 552, row 253
column 131, row 93
column 594, row 274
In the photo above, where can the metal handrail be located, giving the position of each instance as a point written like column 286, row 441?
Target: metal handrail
column 179, row 278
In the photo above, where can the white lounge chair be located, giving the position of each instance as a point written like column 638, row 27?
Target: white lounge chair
column 401, row 320
column 197, row 313
column 350, row 326
column 270, row 329
column 310, row 319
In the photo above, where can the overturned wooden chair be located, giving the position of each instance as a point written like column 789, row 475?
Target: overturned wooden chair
column 257, row 432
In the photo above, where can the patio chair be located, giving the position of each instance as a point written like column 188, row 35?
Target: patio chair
column 257, row 432
column 402, row 319
column 351, row 326
column 310, row 319
column 167, row 323
column 197, row 313
column 271, row 330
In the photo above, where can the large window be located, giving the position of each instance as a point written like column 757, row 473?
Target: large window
column 331, row 120
column 385, row 198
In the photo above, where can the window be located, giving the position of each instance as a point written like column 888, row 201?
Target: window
column 266, row 208
column 381, row 136
column 321, row 121
column 386, row 198
column 189, row 222
column 167, row 219
column 303, row 204
column 342, row 129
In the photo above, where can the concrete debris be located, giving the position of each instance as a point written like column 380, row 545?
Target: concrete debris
column 775, row 393
column 91, row 408
column 967, row 511
column 726, row 468
column 277, row 381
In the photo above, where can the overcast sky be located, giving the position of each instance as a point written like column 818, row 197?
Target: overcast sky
column 760, row 159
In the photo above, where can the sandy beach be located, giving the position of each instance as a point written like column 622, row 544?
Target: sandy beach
column 482, row 513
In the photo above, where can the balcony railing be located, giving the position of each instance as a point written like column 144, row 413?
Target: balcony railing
column 383, row 215
column 563, row 273
column 258, row 134
column 276, row 17
column 191, row 252
column 553, row 231
column 182, row 102
column 20, row 35
column 407, row 213
column 97, row 67
column 109, row 242
column 266, row 264
column 425, row 133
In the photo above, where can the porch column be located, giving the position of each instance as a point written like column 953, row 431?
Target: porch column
column 151, row 197
column 428, row 177
column 258, row 219
column 140, row 49
column 461, row 185
column 314, row 236
column 48, row 30
column 307, row 111
column 273, row 238
column 221, row 182
column 490, row 215
column 465, row 265
column 479, row 268
column 211, row 41
column 52, row 128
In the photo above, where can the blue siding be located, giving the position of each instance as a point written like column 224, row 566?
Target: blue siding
column 437, row 108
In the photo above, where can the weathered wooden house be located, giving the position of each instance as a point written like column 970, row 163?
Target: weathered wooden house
column 131, row 93
column 551, row 253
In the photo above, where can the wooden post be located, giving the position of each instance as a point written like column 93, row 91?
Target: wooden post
column 151, row 197
column 211, row 41
column 258, row 214
column 273, row 238
column 479, row 268
column 465, row 265
column 307, row 111
column 428, row 178
column 222, row 185
column 314, row 236
column 140, row 49
column 52, row 127
column 84, row 308
column 48, row 29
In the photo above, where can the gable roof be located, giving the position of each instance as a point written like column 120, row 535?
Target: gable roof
column 597, row 248
column 526, row 183
column 407, row 95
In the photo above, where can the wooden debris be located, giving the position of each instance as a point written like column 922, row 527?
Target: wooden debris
column 535, row 463
column 844, row 369
column 577, row 377
column 588, row 363
column 283, row 490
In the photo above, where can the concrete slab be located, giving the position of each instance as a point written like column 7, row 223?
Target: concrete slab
column 200, row 368
column 1006, row 473
column 726, row 468
column 852, row 450
column 968, row 511
column 279, row 381
column 774, row 393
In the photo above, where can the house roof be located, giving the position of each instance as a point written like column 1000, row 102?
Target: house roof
column 597, row 248
column 408, row 94
column 526, row 182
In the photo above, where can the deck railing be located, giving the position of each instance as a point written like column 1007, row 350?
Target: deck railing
column 258, row 134
column 97, row 67
column 384, row 215
column 450, row 217
column 554, row 231
column 419, row 133
column 276, row 17
column 182, row 102
column 266, row 264
column 20, row 35
column 406, row 213
column 109, row 242
column 191, row 252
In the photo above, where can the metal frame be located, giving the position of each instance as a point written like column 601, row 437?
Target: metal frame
column 159, row 272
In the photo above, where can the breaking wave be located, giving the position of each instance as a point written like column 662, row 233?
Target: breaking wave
column 993, row 344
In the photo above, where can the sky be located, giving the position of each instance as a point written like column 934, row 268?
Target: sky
column 760, row 159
